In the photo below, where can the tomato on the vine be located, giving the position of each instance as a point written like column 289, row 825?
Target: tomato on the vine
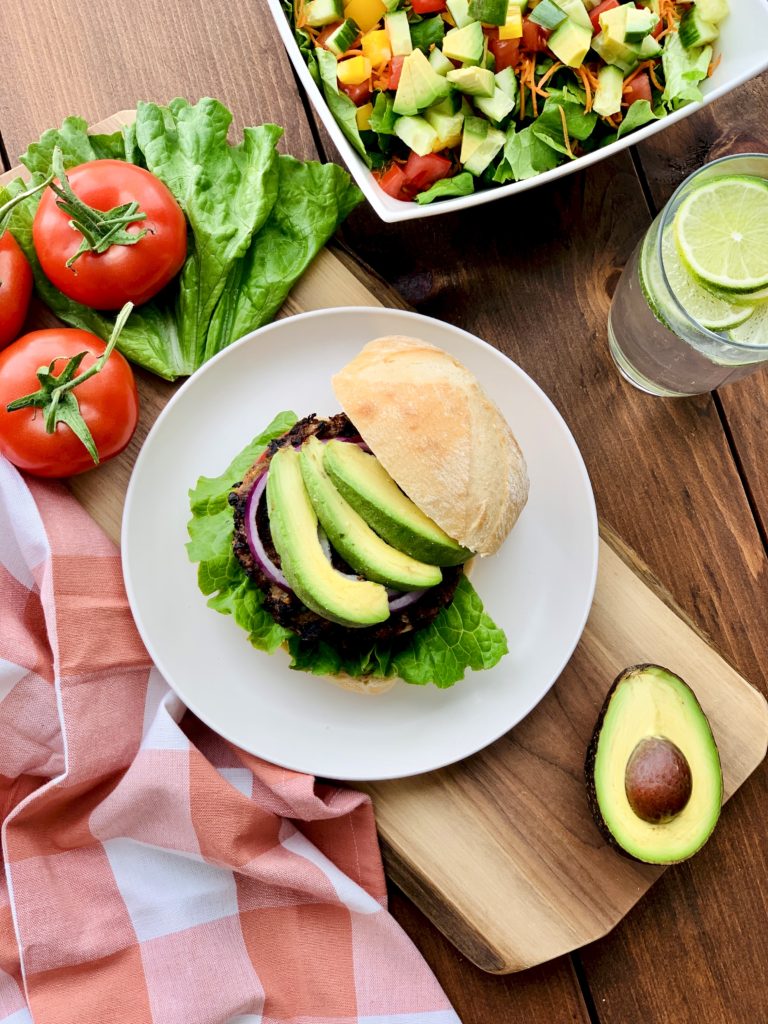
column 67, row 401
column 108, row 232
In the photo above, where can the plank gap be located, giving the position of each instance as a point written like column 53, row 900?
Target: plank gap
column 4, row 160
column 754, row 505
column 586, row 991
column 645, row 187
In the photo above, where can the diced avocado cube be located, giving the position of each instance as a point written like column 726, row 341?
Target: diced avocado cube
column 466, row 106
column 473, row 81
column 695, row 31
column 506, row 80
column 490, row 12
column 713, row 11
column 613, row 23
column 483, row 154
column 450, row 105
column 399, row 33
column 420, row 85
column 576, row 11
column 622, row 55
column 417, row 134
column 495, row 107
column 340, row 40
column 547, row 14
column 649, row 47
column 319, row 13
column 610, row 82
column 570, row 43
column 639, row 24
column 459, row 10
column 475, row 132
column 465, row 44
column 440, row 62
column 447, row 126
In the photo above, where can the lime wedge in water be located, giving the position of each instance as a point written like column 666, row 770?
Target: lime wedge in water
column 721, row 230
column 754, row 330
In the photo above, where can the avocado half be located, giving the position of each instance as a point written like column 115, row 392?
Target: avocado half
column 653, row 774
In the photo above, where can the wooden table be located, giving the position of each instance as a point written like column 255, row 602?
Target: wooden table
column 683, row 482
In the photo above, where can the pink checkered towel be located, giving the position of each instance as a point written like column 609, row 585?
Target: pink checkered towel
column 155, row 874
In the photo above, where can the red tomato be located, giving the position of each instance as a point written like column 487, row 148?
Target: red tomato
column 534, row 37
column 124, row 273
column 427, row 6
column 15, row 288
column 395, row 70
column 659, row 29
column 491, row 32
column 423, row 171
column 505, row 52
column 393, row 182
column 359, row 94
column 109, row 403
column 639, row 89
column 594, row 14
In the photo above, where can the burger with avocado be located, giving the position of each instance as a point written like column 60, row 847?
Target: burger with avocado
column 351, row 534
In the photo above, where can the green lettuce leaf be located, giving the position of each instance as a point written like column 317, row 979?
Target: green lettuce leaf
column 548, row 126
column 226, row 192
column 683, row 70
column 639, row 113
column 304, row 40
column 312, row 201
column 383, row 115
column 339, row 104
column 525, row 156
column 210, row 531
column 462, row 636
column 460, row 185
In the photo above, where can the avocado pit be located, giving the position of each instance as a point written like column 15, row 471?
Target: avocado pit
column 657, row 780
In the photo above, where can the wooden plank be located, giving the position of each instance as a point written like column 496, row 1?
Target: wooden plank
column 696, row 949
column 257, row 84
column 511, row 897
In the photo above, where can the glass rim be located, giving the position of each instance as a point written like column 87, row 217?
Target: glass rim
column 665, row 217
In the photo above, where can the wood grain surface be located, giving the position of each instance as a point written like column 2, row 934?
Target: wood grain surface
column 533, row 274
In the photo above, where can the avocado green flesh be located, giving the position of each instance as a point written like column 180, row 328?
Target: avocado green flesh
column 352, row 537
column 374, row 495
column 293, row 523
column 651, row 701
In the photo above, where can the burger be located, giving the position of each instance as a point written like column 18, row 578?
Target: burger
column 352, row 534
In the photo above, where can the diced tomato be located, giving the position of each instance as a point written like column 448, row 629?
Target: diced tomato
column 393, row 182
column 395, row 70
column 659, row 29
column 359, row 94
column 427, row 6
column 534, row 37
column 491, row 32
column 421, row 172
column 505, row 52
column 594, row 14
column 639, row 89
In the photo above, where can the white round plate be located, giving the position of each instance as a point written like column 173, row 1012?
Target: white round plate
column 538, row 588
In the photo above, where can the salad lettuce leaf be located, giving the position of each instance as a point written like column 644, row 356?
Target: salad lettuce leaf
column 683, row 70
column 462, row 636
column 525, row 156
column 245, row 204
column 460, row 185
column 340, row 105
column 548, row 126
column 639, row 113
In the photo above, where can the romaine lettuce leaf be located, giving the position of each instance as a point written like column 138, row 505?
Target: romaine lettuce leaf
column 462, row 636
column 639, row 113
column 339, row 104
column 460, row 185
column 683, row 70
column 525, row 156
column 548, row 126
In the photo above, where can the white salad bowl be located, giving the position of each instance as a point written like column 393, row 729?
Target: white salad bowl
column 742, row 48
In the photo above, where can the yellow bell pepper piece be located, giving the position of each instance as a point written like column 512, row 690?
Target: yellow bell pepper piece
column 513, row 29
column 354, row 71
column 363, row 116
column 367, row 13
column 376, row 47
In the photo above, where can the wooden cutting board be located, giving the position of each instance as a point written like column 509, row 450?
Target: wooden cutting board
column 500, row 850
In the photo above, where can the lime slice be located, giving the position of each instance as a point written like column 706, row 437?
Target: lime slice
column 740, row 298
column 648, row 274
column 707, row 309
column 754, row 330
column 721, row 230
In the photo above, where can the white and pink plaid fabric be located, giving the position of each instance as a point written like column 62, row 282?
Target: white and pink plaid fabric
column 153, row 873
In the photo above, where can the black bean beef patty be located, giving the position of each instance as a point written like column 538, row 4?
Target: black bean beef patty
column 284, row 606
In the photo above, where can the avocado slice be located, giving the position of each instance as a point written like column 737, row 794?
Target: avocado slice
column 293, row 524
column 352, row 537
column 653, row 773
column 374, row 495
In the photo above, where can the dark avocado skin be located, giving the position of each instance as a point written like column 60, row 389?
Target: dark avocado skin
column 589, row 761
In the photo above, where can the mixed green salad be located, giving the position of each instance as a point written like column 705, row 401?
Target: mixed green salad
column 443, row 97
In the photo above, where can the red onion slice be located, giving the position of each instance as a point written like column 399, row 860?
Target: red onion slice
column 254, row 540
column 398, row 603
